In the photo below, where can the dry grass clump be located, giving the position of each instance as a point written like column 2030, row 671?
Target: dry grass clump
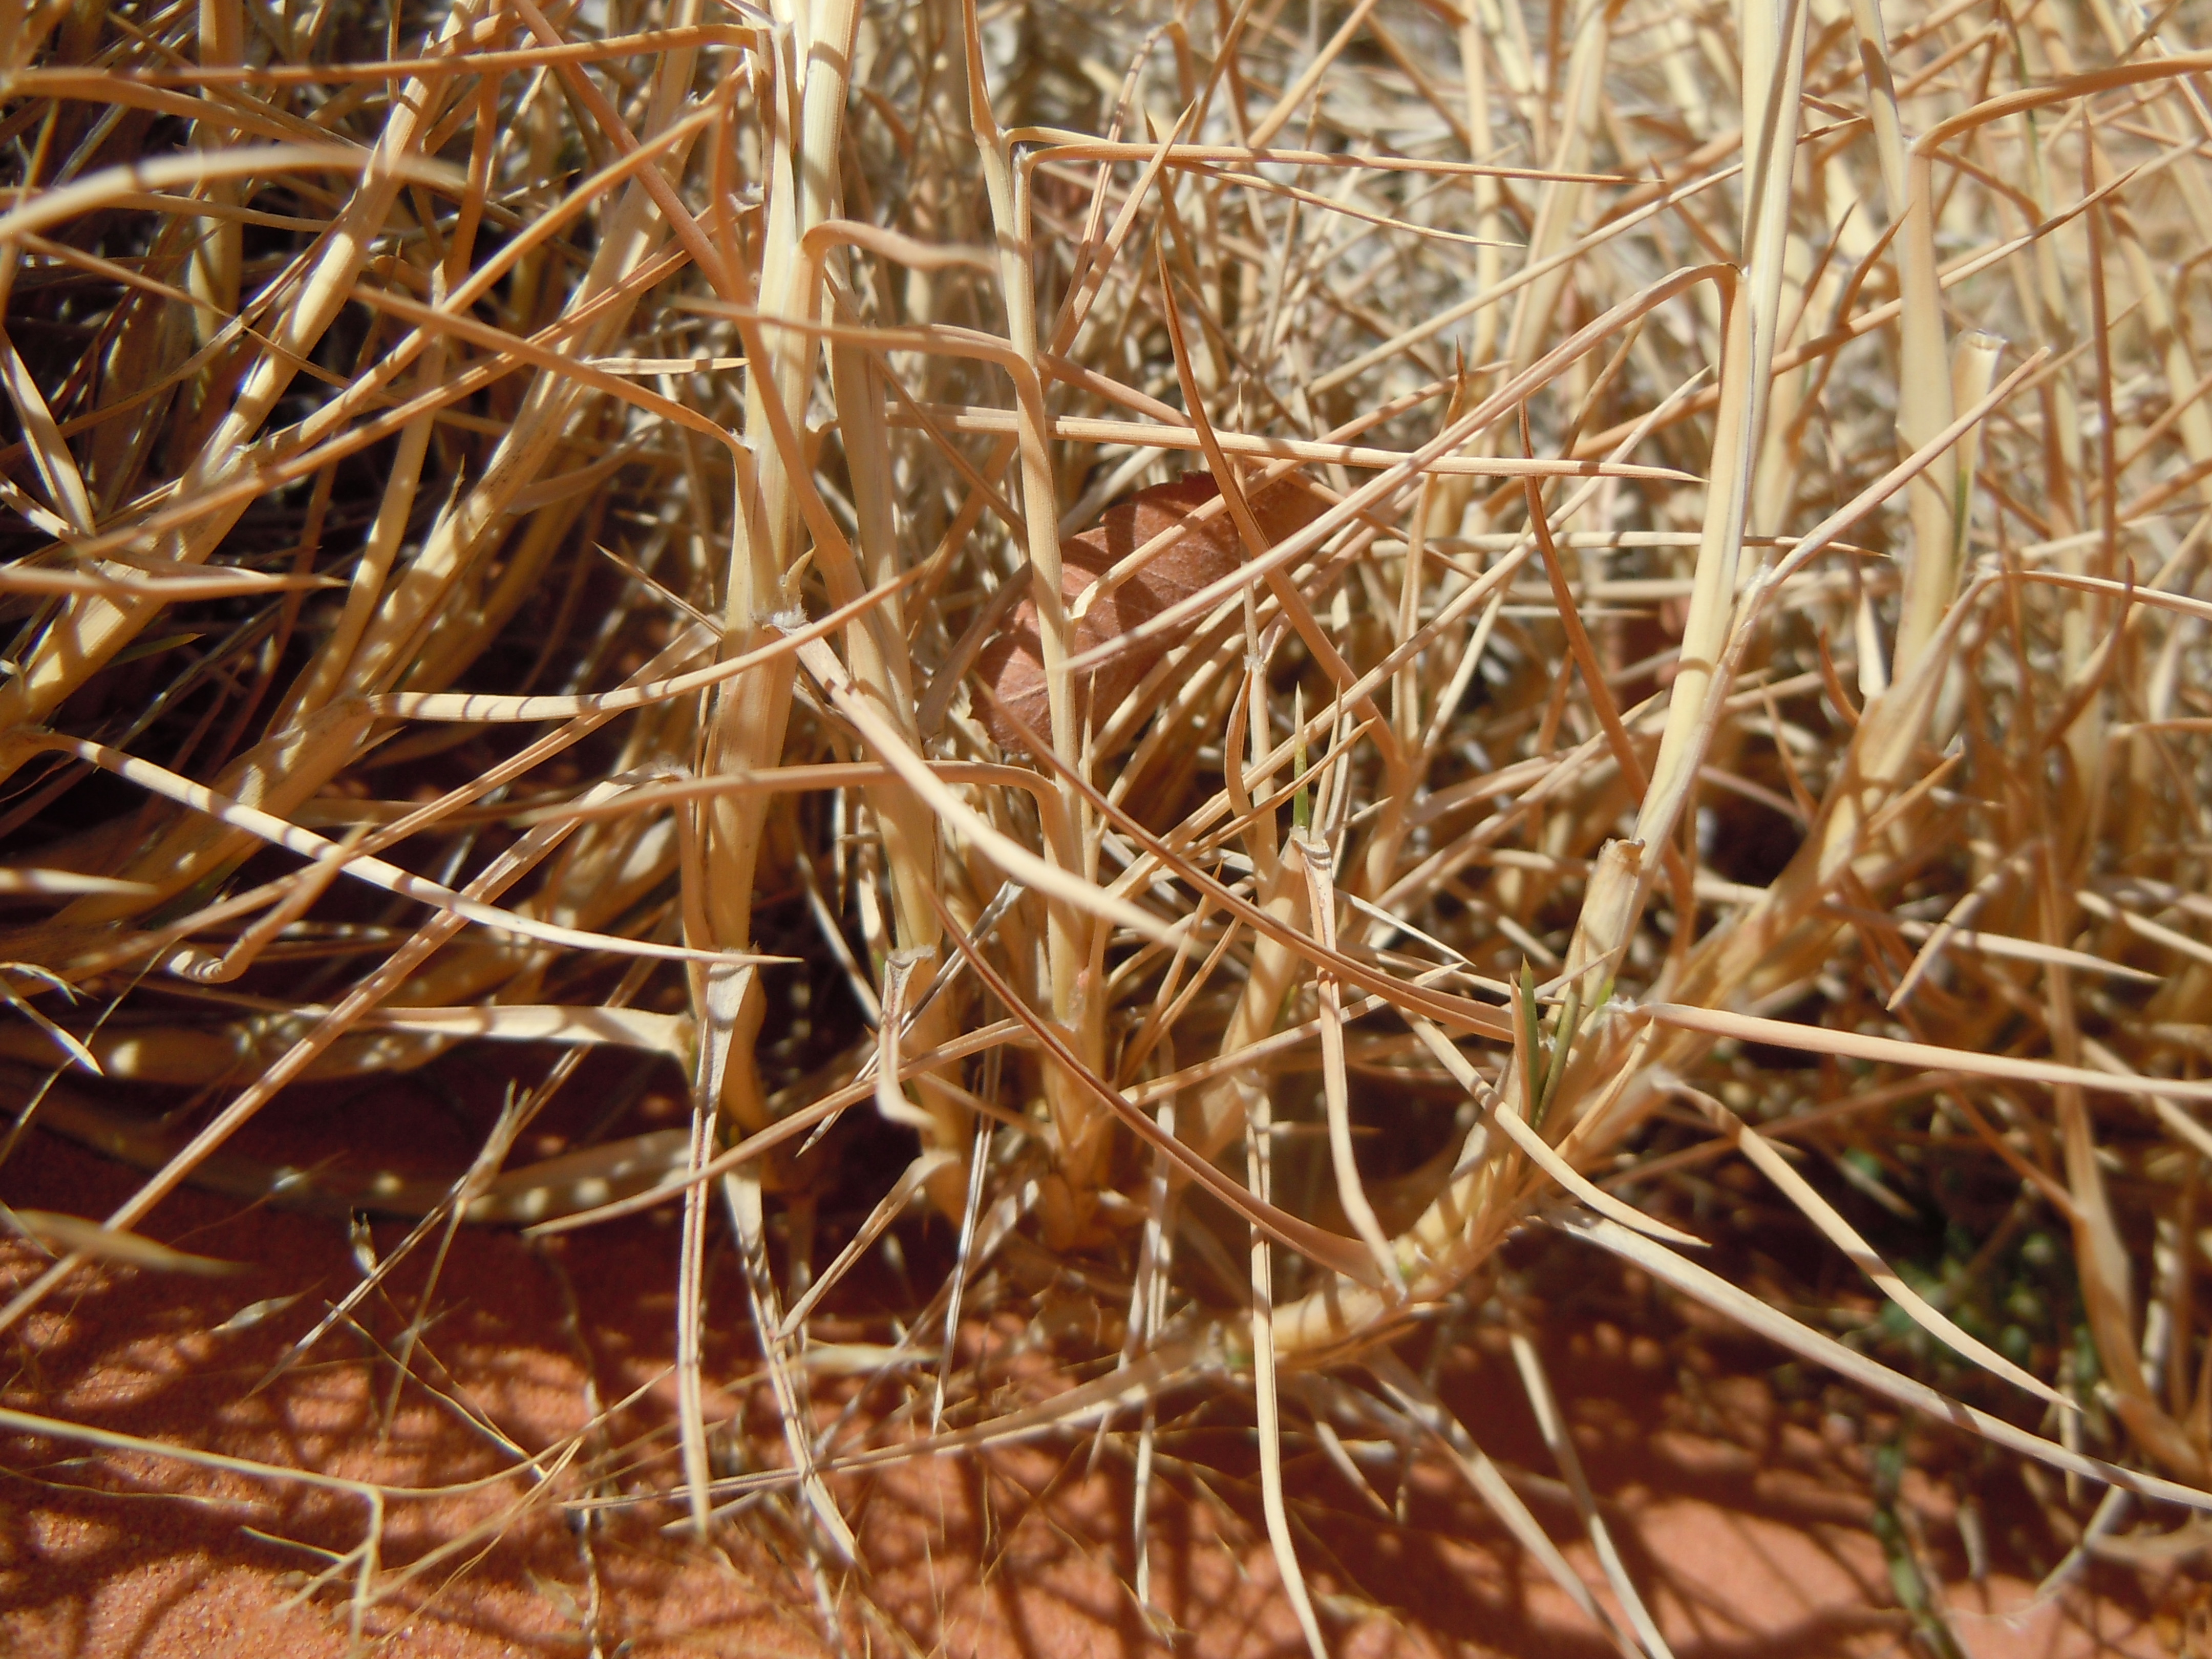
column 1699, row 568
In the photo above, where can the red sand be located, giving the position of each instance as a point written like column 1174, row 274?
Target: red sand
column 1748, row 1529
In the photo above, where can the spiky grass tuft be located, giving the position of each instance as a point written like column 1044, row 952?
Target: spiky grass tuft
column 505, row 497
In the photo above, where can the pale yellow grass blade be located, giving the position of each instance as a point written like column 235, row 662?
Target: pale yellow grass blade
column 1762, row 1156
column 113, row 1246
column 1717, row 1292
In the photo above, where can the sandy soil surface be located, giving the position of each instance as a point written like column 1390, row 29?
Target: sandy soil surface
column 1742, row 1504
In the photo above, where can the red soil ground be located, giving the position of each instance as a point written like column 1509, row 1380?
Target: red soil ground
column 1744, row 1513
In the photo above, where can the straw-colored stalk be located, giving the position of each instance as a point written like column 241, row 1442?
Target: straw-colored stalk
column 1773, row 47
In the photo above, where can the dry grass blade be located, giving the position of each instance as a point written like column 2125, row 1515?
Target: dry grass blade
column 1352, row 1191
column 1718, row 1292
column 888, row 1210
column 88, row 1238
column 1258, row 1132
column 1415, row 1398
column 1762, row 1156
column 1561, row 1444
column 1516, row 1128
column 1918, row 1056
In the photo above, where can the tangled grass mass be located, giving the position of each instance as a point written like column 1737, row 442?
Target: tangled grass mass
column 1215, row 662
